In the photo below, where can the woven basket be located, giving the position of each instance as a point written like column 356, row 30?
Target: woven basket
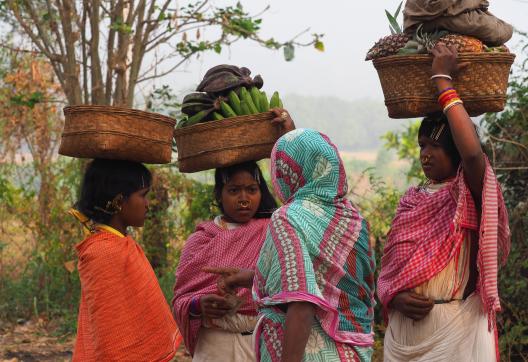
column 409, row 91
column 116, row 133
column 227, row 142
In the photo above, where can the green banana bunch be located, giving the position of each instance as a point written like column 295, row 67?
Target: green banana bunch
column 198, row 107
column 248, row 101
column 226, row 91
column 275, row 101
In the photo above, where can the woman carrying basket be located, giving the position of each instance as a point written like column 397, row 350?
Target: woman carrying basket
column 220, row 327
column 438, row 279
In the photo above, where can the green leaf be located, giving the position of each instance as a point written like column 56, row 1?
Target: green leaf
column 394, row 24
column 289, row 52
column 398, row 11
column 217, row 48
column 319, row 45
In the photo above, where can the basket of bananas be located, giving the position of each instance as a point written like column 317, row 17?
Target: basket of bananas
column 403, row 62
column 96, row 131
column 227, row 121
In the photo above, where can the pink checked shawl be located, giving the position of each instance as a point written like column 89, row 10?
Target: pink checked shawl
column 427, row 233
column 213, row 246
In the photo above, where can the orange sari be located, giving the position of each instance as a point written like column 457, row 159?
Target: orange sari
column 123, row 315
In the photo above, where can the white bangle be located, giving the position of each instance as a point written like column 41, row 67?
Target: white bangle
column 452, row 105
column 446, row 76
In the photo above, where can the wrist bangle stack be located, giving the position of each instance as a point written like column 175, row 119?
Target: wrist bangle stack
column 448, row 98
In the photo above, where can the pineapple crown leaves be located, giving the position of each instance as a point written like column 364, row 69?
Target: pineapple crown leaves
column 422, row 42
column 394, row 27
column 428, row 40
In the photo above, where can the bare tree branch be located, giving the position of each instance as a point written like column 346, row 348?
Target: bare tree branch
column 110, row 56
column 73, row 91
column 160, row 75
column 95, row 60
column 84, row 54
column 138, row 51
column 54, row 27
column 121, row 58
column 43, row 34
column 513, row 143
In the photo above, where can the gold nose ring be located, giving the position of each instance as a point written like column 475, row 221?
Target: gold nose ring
column 426, row 159
column 244, row 203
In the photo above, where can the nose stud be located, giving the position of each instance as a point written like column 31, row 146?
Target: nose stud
column 244, row 203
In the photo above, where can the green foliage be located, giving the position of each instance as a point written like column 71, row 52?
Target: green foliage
column 28, row 100
column 394, row 27
column 289, row 52
column 405, row 143
column 40, row 286
column 235, row 23
column 380, row 206
column 121, row 26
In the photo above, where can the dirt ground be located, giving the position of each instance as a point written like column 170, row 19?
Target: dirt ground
column 30, row 341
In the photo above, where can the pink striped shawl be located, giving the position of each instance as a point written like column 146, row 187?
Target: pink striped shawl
column 428, row 230
column 213, row 246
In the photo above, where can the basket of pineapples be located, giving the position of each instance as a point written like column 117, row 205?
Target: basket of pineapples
column 226, row 121
column 403, row 62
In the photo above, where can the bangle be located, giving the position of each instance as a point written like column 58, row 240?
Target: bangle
column 446, row 76
column 447, row 99
column 452, row 104
column 446, row 91
column 446, row 95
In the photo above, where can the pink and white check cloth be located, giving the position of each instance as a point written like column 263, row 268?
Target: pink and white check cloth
column 427, row 233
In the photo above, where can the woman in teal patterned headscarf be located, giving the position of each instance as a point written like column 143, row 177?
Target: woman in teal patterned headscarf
column 314, row 283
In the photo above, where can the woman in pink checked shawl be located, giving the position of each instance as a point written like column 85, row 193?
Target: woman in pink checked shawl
column 213, row 324
column 438, row 279
column 219, row 327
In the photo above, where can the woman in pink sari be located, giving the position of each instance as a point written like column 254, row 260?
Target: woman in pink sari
column 220, row 327
column 438, row 279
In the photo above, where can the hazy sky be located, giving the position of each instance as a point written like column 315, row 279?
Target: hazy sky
column 350, row 28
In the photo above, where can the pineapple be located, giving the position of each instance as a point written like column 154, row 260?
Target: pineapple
column 463, row 43
column 388, row 45
column 423, row 42
column 391, row 44
column 420, row 42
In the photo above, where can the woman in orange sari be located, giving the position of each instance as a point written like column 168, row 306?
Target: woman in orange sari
column 123, row 315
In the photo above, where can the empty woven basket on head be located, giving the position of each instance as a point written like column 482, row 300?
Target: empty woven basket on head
column 227, row 142
column 409, row 92
column 117, row 133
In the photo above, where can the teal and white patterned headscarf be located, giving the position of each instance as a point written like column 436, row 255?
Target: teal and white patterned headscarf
column 317, row 246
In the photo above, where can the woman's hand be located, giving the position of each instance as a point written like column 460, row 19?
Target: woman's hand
column 214, row 306
column 283, row 119
column 445, row 59
column 412, row 305
column 232, row 278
